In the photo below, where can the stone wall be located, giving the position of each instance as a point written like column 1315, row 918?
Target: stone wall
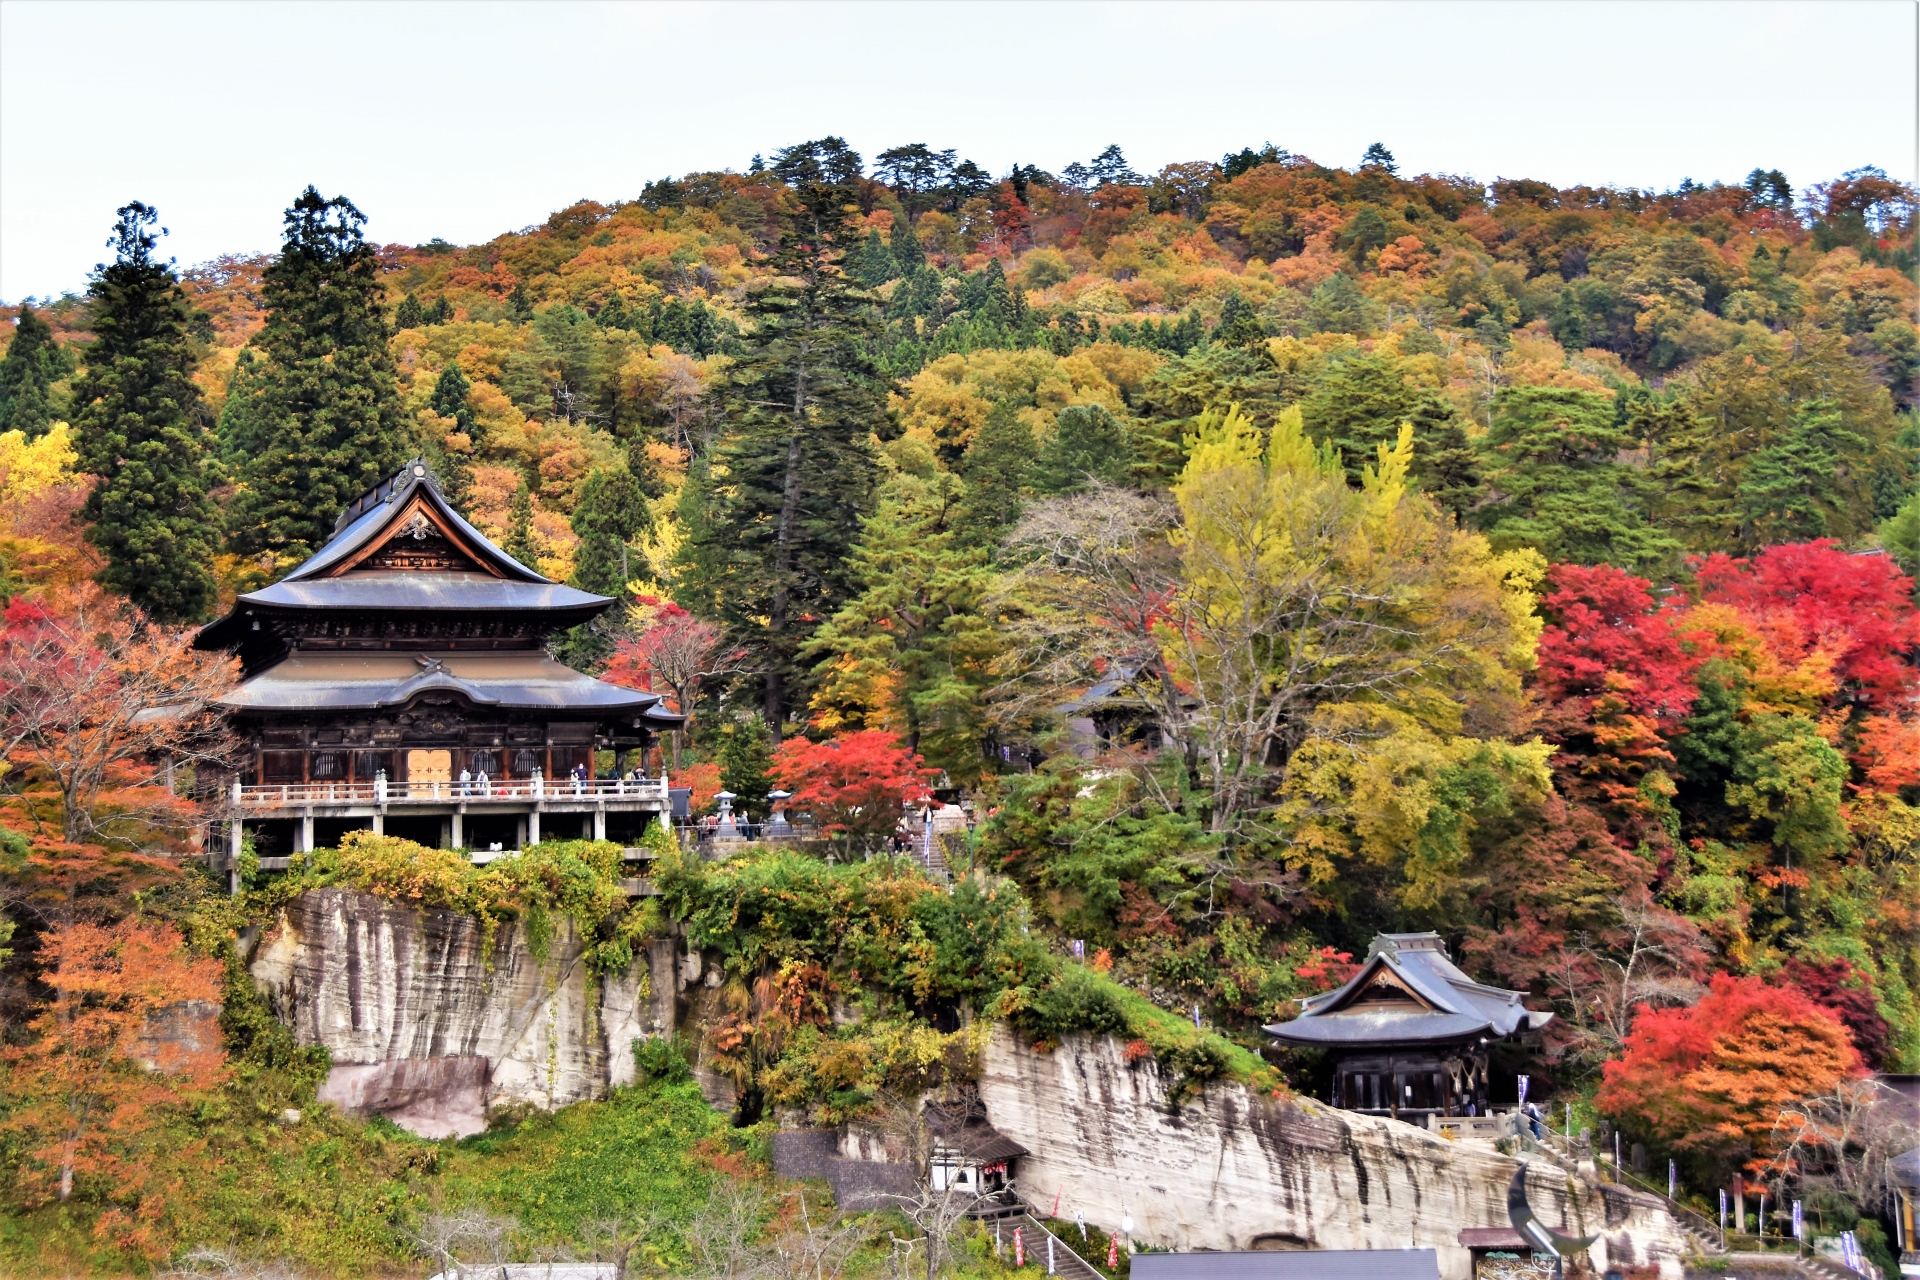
column 1236, row 1170
column 426, row 1026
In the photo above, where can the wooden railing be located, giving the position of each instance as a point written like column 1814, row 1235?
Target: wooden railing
column 293, row 795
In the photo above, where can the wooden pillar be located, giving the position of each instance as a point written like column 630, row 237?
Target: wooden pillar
column 234, row 834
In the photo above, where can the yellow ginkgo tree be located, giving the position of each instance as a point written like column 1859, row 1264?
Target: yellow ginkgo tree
column 1326, row 662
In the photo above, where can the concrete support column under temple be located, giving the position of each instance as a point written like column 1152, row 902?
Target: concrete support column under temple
column 533, row 827
column 379, row 824
column 234, row 834
column 306, row 833
column 458, row 837
column 599, row 824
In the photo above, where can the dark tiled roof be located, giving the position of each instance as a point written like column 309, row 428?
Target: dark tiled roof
column 1291, row 1264
column 1441, row 1004
column 963, row 1127
column 368, row 516
column 401, row 589
column 521, row 679
column 336, row 577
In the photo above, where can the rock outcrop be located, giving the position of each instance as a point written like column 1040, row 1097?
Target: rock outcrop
column 430, row 1025
column 1233, row 1169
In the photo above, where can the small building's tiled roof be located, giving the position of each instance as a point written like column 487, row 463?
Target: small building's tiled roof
column 1439, row 1002
column 1906, row 1170
column 964, row 1128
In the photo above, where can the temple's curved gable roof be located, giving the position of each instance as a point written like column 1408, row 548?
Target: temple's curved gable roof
column 1408, row 991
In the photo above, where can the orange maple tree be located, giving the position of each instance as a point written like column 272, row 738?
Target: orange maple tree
column 1711, row 1081
column 127, row 1034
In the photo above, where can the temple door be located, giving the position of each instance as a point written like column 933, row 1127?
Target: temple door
column 429, row 773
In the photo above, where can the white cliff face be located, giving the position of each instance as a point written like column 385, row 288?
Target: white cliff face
column 1235, row 1170
column 423, row 1029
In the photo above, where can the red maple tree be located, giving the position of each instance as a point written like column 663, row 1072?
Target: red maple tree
column 1710, row 1081
column 1816, row 595
column 855, row 785
column 674, row 649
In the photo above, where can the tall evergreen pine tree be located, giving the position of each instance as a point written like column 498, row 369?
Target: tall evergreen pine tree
column 520, row 528
column 612, row 510
column 449, row 400
column 905, row 246
column 1087, row 444
column 32, row 365
column 795, row 468
column 1553, row 458
column 141, row 431
column 1360, row 405
column 321, row 421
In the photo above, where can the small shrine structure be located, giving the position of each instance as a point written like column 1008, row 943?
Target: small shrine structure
column 1409, row 1033
column 969, row 1155
column 398, row 681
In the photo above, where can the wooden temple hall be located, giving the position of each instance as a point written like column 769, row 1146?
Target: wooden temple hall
column 1410, row 1035
column 398, row 681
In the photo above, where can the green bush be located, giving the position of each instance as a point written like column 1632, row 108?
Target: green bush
column 661, row 1060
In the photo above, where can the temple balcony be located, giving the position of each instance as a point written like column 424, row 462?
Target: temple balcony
column 486, row 819
column 365, row 799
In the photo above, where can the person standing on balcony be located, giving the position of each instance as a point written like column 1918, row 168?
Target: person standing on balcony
column 466, row 782
column 486, row 784
column 380, row 786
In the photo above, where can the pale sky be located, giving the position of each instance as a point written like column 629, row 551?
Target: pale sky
column 466, row 120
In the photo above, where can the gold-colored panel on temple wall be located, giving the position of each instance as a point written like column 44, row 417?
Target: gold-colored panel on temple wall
column 429, row 766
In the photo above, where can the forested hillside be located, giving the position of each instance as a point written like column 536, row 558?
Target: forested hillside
column 1277, row 552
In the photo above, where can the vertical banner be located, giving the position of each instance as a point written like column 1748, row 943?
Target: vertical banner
column 1739, row 1204
column 1723, row 1211
column 1524, row 1082
column 1049, row 1253
column 1673, row 1179
column 1113, row 1253
column 1019, row 1249
column 1799, row 1223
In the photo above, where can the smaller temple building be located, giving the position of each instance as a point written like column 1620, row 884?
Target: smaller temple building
column 970, row 1155
column 1410, row 1033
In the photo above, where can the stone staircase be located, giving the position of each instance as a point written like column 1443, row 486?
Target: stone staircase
column 932, row 855
column 1034, row 1235
column 1700, row 1233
